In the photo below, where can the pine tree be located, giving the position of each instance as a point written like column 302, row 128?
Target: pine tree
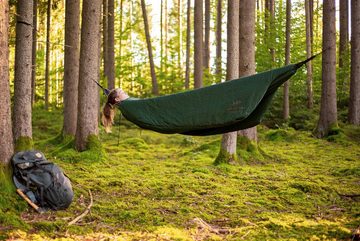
column 6, row 140
column 22, row 129
column 71, row 66
column 198, row 44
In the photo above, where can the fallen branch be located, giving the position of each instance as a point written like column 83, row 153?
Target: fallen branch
column 87, row 210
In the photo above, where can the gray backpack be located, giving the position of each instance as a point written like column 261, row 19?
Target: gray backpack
column 41, row 181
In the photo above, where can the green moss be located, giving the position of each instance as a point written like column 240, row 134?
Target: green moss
column 225, row 157
column 248, row 150
column 23, row 143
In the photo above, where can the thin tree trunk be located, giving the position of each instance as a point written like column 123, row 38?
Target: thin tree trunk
column 6, row 140
column 247, row 50
column 207, row 36
column 188, row 36
column 111, row 45
column 344, row 33
column 155, row 89
column 166, row 29
column 328, row 108
column 354, row 105
column 218, row 70
column 198, row 44
column 179, row 37
column 227, row 152
column 286, row 110
column 88, row 101
column 47, row 57
column 71, row 66
column 22, row 129
column 33, row 61
column 120, row 42
column 105, row 37
column 269, row 27
column 309, row 68
column 161, row 38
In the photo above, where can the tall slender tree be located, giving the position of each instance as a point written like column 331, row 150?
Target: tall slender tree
column 88, row 101
column 218, row 69
column 105, row 36
column 33, row 60
column 198, row 44
column 309, row 67
column 354, row 105
column 188, row 36
column 155, row 89
column 247, row 50
column 71, row 66
column 6, row 140
column 227, row 152
column 344, row 33
column 111, row 45
column 286, row 103
column 269, row 28
column 22, row 129
column 207, row 36
column 47, row 54
column 328, row 108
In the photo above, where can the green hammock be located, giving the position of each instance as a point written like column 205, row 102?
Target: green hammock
column 220, row 108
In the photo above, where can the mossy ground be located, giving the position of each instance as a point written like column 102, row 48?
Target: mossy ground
column 149, row 186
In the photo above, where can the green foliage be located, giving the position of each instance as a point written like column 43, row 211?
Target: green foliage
column 23, row 143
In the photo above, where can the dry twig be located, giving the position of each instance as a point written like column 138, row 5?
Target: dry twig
column 87, row 210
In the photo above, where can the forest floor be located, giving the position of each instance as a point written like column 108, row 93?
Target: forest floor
column 149, row 186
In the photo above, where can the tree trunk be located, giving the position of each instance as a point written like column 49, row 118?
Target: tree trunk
column 110, row 46
column 22, row 128
column 47, row 55
column 105, row 36
column 198, row 44
column 6, row 140
column 309, row 68
column 227, row 152
column 188, row 36
column 155, row 89
column 247, row 50
column 269, row 27
column 161, row 38
column 354, row 107
column 207, row 36
column 218, row 70
column 71, row 65
column 179, row 37
column 328, row 109
column 87, row 124
column 119, row 65
column 33, row 58
column 286, row 107
column 344, row 33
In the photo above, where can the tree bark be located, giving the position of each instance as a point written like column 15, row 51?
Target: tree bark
column 71, row 66
column 354, row 105
column 198, row 44
column 309, row 68
column 188, row 36
column 328, row 108
column 47, row 54
column 207, row 36
column 33, row 58
column 105, row 37
column 344, row 33
column 22, row 129
column 88, row 101
column 228, row 142
column 286, row 104
column 218, row 70
column 269, row 27
column 111, row 45
column 6, row 140
column 155, row 89
column 247, row 50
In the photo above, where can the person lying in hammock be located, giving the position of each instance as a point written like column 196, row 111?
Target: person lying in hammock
column 115, row 96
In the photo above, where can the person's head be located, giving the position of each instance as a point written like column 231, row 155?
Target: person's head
column 108, row 114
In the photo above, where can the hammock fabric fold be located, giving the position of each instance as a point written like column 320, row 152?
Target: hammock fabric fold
column 229, row 106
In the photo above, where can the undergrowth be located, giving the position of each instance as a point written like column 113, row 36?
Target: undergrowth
column 146, row 186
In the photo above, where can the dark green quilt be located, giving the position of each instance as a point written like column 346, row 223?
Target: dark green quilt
column 220, row 108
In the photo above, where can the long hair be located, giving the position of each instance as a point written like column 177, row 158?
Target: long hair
column 108, row 113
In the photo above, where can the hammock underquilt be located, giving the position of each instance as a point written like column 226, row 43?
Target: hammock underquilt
column 220, row 108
